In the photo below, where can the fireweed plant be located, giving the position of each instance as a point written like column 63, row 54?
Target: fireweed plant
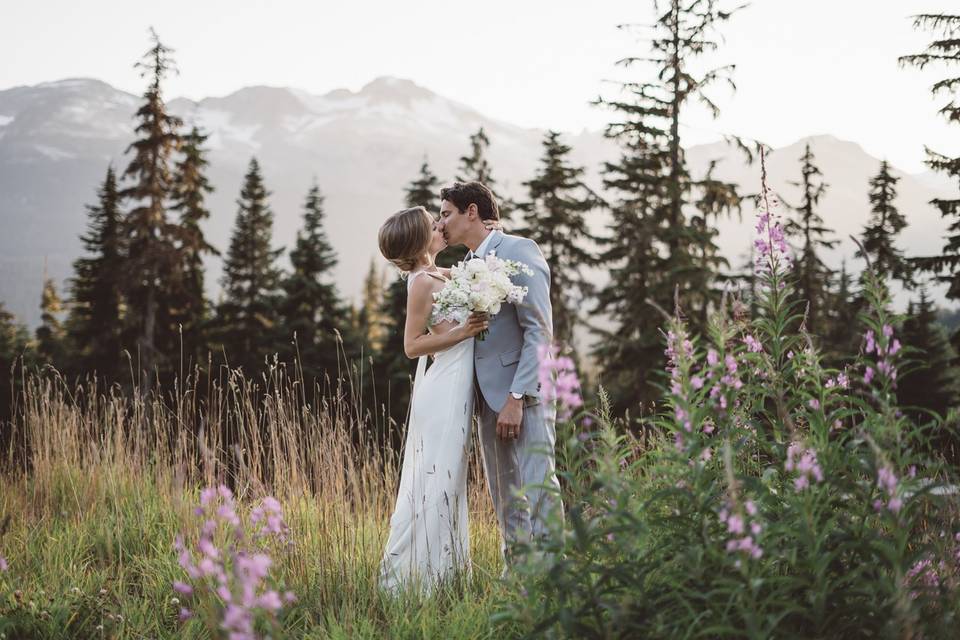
column 773, row 498
column 227, row 585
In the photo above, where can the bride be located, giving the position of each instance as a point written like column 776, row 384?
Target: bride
column 429, row 536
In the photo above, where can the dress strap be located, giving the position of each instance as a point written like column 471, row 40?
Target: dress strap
column 413, row 275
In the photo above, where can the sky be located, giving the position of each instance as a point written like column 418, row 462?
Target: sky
column 803, row 67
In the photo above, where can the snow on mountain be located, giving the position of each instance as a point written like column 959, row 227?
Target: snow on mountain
column 362, row 147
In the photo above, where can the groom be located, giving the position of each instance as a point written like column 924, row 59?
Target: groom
column 517, row 434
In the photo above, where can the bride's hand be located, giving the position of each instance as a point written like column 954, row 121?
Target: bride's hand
column 493, row 225
column 476, row 323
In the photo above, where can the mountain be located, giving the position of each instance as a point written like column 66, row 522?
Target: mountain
column 846, row 169
column 57, row 138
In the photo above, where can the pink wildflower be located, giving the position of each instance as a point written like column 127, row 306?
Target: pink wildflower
column 804, row 462
column 712, row 357
column 871, row 341
column 753, row 345
column 559, row 383
column 888, row 484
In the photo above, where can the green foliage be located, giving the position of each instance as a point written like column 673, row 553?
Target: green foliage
column 840, row 337
column 813, row 276
column 94, row 321
column 369, row 317
column 661, row 240
column 885, row 223
column 315, row 319
column 394, row 369
column 943, row 50
column 555, row 217
column 774, row 497
column 151, row 270
column 476, row 167
column 932, row 383
column 50, row 334
column 247, row 330
column 190, row 189
column 14, row 343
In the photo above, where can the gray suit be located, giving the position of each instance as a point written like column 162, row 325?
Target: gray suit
column 506, row 361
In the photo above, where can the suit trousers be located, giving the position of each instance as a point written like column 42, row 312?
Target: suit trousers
column 521, row 472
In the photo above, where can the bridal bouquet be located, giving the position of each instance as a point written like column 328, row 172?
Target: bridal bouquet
column 479, row 285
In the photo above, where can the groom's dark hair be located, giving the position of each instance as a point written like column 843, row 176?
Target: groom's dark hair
column 463, row 194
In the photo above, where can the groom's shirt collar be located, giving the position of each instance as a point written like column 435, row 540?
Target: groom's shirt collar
column 482, row 249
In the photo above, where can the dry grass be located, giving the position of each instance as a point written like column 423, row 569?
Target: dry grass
column 103, row 480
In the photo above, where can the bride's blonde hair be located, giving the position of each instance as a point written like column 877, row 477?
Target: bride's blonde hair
column 405, row 237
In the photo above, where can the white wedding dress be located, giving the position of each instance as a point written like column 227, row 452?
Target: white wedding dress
column 429, row 536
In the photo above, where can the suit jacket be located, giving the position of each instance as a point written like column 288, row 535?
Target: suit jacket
column 506, row 360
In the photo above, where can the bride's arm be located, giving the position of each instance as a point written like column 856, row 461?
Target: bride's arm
column 416, row 342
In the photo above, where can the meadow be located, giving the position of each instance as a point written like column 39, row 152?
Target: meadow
column 106, row 489
column 769, row 495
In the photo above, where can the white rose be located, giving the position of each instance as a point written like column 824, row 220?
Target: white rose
column 475, row 265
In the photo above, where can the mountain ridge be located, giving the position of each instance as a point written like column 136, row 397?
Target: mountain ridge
column 362, row 147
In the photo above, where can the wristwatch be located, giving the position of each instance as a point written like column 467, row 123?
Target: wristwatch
column 516, row 396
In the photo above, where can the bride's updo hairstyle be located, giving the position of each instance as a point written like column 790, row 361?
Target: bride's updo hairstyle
column 405, row 237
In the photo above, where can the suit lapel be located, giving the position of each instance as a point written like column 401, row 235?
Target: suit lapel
column 494, row 241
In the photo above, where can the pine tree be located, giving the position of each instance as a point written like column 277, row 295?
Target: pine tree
column 394, row 369
column 813, row 276
column 945, row 49
column 933, row 382
column 840, row 336
column 555, row 218
column 630, row 352
column 424, row 191
column 190, row 189
column 369, row 323
column 246, row 317
column 95, row 322
column 879, row 235
column 655, row 248
column 312, row 311
column 476, row 167
column 50, row 334
column 13, row 344
column 746, row 279
column 151, row 270
column 716, row 199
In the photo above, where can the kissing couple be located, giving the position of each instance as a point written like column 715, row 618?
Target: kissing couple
column 494, row 378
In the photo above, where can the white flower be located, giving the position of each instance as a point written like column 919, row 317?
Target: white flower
column 481, row 285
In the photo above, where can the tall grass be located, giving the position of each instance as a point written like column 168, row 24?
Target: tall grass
column 99, row 483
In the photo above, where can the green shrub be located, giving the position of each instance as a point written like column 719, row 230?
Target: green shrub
column 778, row 499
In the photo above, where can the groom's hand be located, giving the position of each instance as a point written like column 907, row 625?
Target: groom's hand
column 508, row 422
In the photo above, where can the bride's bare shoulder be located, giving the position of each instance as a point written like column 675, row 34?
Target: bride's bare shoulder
column 424, row 286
